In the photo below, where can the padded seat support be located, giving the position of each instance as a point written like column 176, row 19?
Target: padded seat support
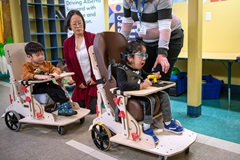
column 108, row 46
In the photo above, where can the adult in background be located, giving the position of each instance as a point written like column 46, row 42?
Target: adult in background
column 159, row 28
column 78, row 60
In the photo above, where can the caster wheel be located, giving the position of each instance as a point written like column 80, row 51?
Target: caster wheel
column 82, row 120
column 101, row 136
column 187, row 150
column 12, row 120
column 162, row 158
column 60, row 130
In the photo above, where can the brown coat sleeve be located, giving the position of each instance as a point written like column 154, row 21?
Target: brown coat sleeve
column 27, row 71
column 52, row 68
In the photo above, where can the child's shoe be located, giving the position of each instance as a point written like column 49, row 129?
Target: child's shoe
column 50, row 108
column 70, row 107
column 173, row 127
column 149, row 132
column 65, row 109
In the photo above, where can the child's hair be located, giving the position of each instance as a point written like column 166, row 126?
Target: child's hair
column 132, row 47
column 33, row 47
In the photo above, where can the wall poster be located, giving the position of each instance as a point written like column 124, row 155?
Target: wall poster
column 92, row 11
column 115, row 18
column 115, row 15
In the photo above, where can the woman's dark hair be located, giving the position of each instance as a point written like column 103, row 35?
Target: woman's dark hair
column 69, row 16
column 33, row 47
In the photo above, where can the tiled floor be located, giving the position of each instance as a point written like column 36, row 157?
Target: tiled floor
column 218, row 136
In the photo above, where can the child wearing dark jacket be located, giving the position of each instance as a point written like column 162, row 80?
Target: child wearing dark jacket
column 131, row 76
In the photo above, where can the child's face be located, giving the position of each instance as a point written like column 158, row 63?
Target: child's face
column 37, row 58
column 139, row 59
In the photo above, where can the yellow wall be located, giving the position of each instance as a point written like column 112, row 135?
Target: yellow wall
column 106, row 15
column 16, row 21
column 220, row 34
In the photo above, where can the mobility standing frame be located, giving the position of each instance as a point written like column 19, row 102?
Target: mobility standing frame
column 26, row 107
column 119, row 117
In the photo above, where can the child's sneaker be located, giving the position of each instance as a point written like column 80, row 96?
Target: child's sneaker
column 65, row 109
column 173, row 127
column 149, row 132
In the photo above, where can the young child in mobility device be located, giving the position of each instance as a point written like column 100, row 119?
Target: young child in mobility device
column 40, row 69
column 131, row 76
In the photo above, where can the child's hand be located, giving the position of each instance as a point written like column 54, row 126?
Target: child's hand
column 158, row 75
column 44, row 77
column 56, row 76
column 145, row 84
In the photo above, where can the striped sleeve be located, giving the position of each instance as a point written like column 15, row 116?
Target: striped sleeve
column 127, row 21
column 164, row 9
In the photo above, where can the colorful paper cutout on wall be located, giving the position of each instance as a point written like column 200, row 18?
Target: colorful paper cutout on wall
column 217, row 0
column 115, row 16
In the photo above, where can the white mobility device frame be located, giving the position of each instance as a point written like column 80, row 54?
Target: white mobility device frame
column 26, row 107
column 118, row 119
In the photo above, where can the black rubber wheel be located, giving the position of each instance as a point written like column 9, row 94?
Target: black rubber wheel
column 187, row 150
column 162, row 158
column 82, row 120
column 60, row 130
column 12, row 120
column 101, row 136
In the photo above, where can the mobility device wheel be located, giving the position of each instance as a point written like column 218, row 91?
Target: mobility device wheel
column 12, row 120
column 82, row 120
column 101, row 136
column 162, row 158
column 60, row 130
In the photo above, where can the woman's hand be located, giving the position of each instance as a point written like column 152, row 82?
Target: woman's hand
column 91, row 82
column 163, row 61
column 82, row 86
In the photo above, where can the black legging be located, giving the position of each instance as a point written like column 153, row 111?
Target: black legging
column 55, row 92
